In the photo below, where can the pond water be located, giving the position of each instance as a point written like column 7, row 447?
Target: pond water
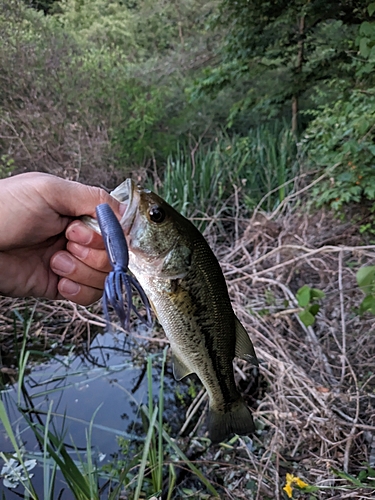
column 105, row 386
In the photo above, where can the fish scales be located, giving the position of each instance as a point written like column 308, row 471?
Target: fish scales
column 202, row 334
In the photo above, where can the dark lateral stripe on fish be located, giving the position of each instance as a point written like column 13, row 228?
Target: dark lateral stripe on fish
column 207, row 326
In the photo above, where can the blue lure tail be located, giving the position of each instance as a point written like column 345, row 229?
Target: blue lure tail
column 119, row 283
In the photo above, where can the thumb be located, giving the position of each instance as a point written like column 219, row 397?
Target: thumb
column 73, row 199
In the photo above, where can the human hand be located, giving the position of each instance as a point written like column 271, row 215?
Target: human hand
column 37, row 218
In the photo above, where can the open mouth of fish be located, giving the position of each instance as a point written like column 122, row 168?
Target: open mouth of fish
column 128, row 194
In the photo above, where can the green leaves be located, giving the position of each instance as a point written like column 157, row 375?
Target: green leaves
column 341, row 140
column 307, row 294
column 342, row 135
column 307, row 298
column 363, row 480
column 366, row 278
column 368, row 304
column 366, row 40
column 366, row 281
column 306, row 317
column 303, row 296
column 6, row 166
column 366, row 43
column 266, row 40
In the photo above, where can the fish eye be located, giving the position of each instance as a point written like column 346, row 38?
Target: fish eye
column 157, row 214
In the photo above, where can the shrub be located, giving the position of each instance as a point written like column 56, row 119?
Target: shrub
column 343, row 137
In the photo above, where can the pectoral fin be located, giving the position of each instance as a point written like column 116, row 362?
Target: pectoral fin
column 180, row 370
column 244, row 347
column 153, row 308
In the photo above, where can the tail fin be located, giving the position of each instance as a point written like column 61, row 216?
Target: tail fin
column 235, row 420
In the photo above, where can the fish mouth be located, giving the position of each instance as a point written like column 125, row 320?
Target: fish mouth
column 128, row 194
column 123, row 192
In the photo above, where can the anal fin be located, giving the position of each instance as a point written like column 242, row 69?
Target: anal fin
column 244, row 348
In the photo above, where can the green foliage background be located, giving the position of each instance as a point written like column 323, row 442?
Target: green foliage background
column 198, row 96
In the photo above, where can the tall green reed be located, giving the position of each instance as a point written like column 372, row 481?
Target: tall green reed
column 272, row 162
column 160, row 445
column 81, row 476
column 17, row 463
column 201, row 181
column 19, row 471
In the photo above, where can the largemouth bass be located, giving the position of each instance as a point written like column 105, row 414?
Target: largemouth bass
column 186, row 288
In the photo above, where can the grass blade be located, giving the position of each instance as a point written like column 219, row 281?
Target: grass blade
column 146, row 450
column 191, row 466
column 29, row 489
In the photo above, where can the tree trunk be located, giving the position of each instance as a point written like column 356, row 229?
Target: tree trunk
column 301, row 30
column 294, row 114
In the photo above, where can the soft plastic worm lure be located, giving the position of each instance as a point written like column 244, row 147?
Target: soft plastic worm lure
column 119, row 283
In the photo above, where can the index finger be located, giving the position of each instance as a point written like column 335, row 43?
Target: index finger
column 78, row 232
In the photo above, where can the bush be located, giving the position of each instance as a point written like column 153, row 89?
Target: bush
column 341, row 139
column 73, row 103
column 55, row 104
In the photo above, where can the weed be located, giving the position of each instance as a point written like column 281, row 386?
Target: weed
column 366, row 281
column 6, row 166
column 307, row 299
column 341, row 140
column 143, row 474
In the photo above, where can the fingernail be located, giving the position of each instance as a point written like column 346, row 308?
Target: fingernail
column 78, row 250
column 79, row 233
column 68, row 287
column 63, row 263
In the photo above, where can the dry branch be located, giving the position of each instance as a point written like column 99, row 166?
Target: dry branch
column 315, row 404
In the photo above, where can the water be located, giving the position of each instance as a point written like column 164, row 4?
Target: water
column 106, row 386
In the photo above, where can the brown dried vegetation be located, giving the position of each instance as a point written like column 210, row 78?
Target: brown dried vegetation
column 55, row 107
column 316, row 398
column 314, row 402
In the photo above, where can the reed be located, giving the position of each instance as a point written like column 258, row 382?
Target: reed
column 200, row 181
